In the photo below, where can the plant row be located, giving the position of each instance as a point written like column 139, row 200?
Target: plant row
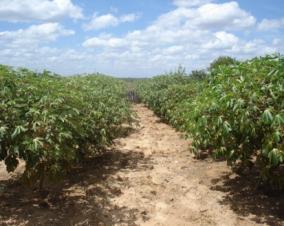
column 52, row 123
column 235, row 111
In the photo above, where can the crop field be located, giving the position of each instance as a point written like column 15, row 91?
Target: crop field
column 141, row 113
column 52, row 123
column 235, row 111
column 96, row 150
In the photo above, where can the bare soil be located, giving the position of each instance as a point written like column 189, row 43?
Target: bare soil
column 148, row 177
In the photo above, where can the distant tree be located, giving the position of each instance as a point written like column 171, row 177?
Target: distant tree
column 222, row 60
column 5, row 68
column 198, row 74
column 179, row 71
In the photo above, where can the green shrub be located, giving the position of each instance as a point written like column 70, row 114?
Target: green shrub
column 241, row 114
column 236, row 112
column 222, row 61
column 52, row 122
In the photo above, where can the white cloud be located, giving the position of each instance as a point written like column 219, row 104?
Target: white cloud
column 190, row 3
column 45, row 10
column 54, row 59
column 223, row 40
column 33, row 35
column 173, row 49
column 189, row 35
column 209, row 16
column 108, row 20
column 273, row 24
column 129, row 17
column 184, row 26
column 104, row 41
column 227, row 15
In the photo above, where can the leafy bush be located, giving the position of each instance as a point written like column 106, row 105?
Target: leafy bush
column 198, row 74
column 241, row 114
column 52, row 122
column 222, row 61
column 237, row 112
column 154, row 92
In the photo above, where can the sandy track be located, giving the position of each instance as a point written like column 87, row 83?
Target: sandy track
column 176, row 189
column 148, row 178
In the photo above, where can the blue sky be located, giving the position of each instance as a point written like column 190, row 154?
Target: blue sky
column 136, row 37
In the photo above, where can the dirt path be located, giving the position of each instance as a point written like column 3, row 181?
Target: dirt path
column 148, row 178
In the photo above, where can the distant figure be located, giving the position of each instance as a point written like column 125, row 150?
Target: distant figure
column 132, row 96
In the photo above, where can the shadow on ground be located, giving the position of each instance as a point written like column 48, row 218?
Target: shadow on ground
column 83, row 198
column 244, row 198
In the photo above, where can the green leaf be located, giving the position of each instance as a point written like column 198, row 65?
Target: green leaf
column 18, row 130
column 267, row 116
column 274, row 157
column 3, row 130
column 37, row 143
column 279, row 119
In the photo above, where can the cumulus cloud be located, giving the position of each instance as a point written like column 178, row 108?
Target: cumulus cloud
column 191, row 34
column 105, row 41
column 222, row 40
column 44, row 10
column 227, row 15
column 63, row 61
column 211, row 16
column 108, row 20
column 190, row 3
column 33, row 35
column 184, row 26
column 273, row 24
